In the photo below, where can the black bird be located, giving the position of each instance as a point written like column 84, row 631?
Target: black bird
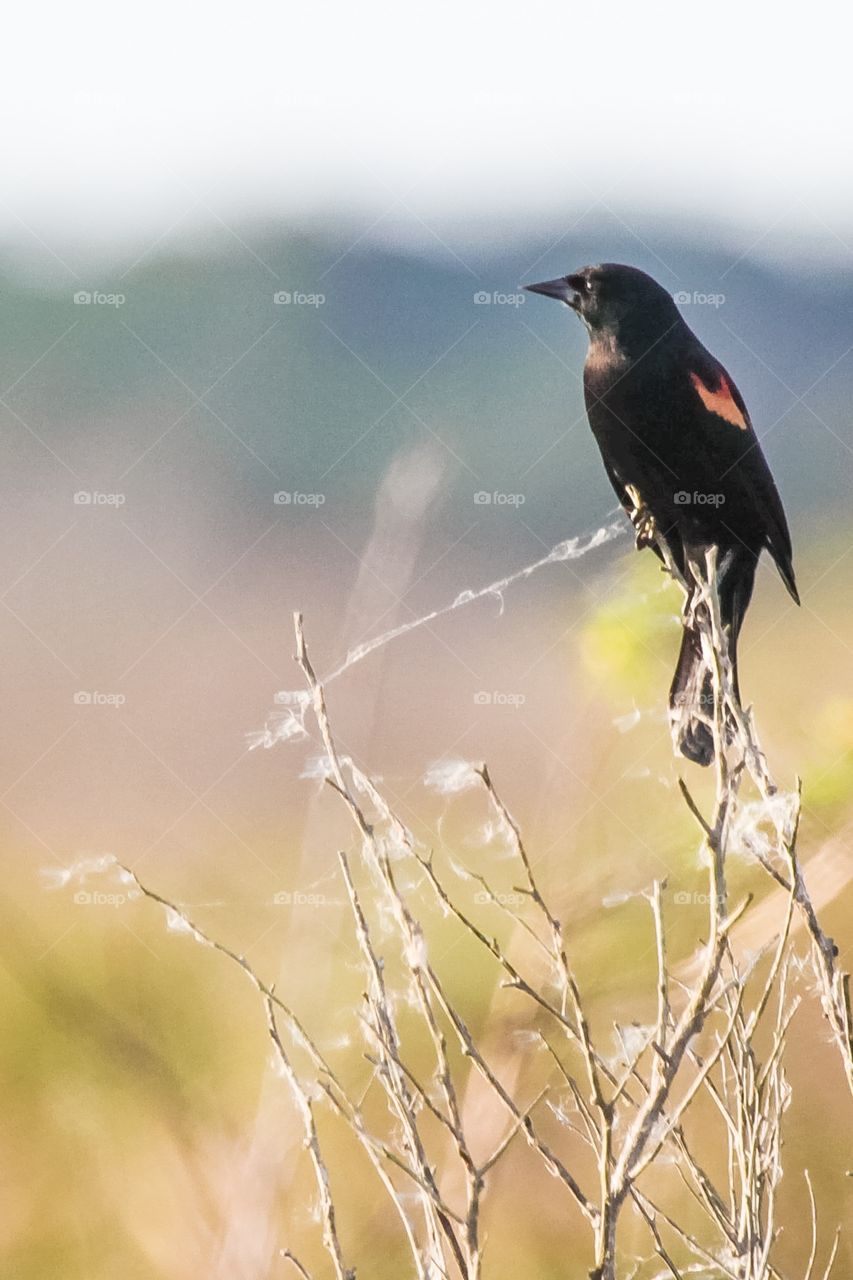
column 682, row 455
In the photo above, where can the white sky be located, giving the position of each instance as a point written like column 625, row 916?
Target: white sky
column 121, row 120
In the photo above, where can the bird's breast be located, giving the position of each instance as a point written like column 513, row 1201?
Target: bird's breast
column 605, row 359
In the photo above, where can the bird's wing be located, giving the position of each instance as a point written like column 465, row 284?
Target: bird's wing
column 721, row 398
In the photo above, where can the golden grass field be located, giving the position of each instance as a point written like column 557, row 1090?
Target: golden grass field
column 145, row 1132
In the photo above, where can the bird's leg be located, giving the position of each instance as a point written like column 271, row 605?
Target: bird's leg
column 641, row 518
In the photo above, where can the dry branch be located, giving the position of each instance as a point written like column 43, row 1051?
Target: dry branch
column 718, row 1038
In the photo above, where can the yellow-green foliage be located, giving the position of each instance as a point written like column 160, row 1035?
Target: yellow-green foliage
column 632, row 632
column 829, row 780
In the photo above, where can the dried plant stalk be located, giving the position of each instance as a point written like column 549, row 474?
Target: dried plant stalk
column 717, row 1042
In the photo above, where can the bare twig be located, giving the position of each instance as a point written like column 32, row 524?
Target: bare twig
column 718, row 1032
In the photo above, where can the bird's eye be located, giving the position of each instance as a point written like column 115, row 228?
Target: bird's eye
column 587, row 286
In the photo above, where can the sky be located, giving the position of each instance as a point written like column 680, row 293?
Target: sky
column 127, row 122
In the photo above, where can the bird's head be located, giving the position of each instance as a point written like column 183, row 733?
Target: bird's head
column 614, row 301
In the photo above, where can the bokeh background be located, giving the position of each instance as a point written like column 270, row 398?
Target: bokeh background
column 262, row 348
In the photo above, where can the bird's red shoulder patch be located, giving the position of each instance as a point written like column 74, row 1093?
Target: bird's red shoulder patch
column 720, row 401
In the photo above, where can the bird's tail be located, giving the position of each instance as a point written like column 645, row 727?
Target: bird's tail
column 691, row 696
column 691, row 701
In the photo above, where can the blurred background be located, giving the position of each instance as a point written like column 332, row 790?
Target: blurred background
column 263, row 348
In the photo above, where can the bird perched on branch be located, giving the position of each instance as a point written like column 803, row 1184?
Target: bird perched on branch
column 681, row 453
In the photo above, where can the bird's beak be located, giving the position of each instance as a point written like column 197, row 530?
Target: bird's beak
column 561, row 289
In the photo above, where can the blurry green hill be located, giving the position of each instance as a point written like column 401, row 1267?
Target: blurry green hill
column 318, row 396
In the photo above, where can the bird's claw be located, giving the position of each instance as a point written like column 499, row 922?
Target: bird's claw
column 644, row 527
column 642, row 520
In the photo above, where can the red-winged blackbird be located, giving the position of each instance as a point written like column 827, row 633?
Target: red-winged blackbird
column 681, row 453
